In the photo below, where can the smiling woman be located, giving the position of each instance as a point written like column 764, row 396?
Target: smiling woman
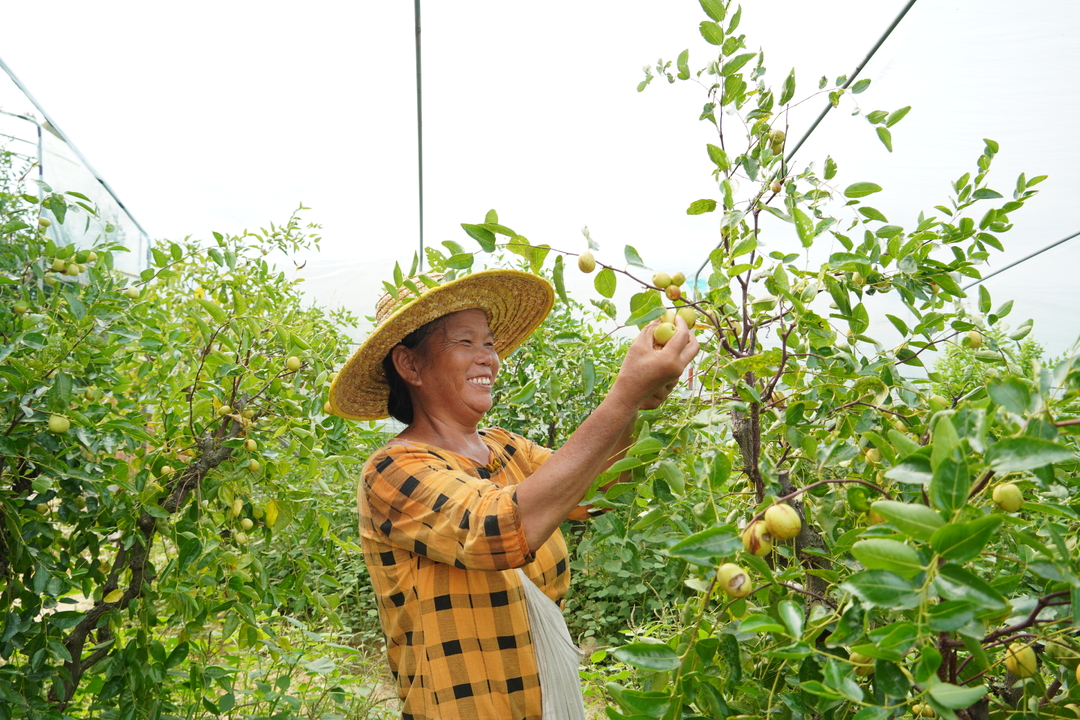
column 460, row 525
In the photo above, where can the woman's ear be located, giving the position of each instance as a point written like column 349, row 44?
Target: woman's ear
column 407, row 364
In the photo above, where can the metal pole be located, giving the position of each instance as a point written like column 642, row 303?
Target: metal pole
column 1023, row 259
column 419, row 131
column 60, row 133
column 858, row 68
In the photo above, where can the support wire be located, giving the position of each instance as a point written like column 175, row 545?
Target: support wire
column 1011, row 265
column 858, row 68
column 419, row 130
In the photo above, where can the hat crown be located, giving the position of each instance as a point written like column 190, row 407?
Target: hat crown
column 388, row 304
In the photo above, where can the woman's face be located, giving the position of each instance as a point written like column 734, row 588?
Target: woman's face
column 461, row 364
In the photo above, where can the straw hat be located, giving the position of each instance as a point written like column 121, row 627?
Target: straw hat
column 515, row 303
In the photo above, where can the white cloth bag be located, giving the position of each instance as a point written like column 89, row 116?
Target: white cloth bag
column 557, row 657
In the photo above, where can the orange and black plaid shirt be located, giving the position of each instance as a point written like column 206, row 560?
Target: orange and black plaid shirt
column 441, row 537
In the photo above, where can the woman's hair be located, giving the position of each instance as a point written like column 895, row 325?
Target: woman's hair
column 399, row 403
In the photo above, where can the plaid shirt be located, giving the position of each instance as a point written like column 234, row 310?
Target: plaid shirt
column 441, row 538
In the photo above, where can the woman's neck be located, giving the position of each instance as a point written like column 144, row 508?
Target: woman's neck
column 464, row 441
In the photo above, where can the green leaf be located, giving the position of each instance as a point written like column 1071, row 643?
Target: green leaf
column 734, row 64
column 674, row 477
column 649, row 656
column 78, row 310
column 916, row 521
column 804, row 226
column 1026, row 453
column 789, row 88
column 873, row 214
column 704, row 547
column 718, row 156
column 964, row 541
column 715, row 9
column 984, row 299
column 713, row 33
column 747, row 245
column 177, row 656
column 760, row 623
column 557, row 276
column 903, row 443
column 485, row 237
column 898, row 115
column 651, row 704
column 956, row 583
column 1011, row 394
column 622, row 465
column 605, row 282
column 891, row 555
column 860, row 85
column 861, row 189
column 700, row 207
column 950, row 615
column 792, row 614
column 950, row 485
column 213, row 309
column 463, row 261
column 945, row 439
column 881, row 588
column 632, row 257
column 886, row 137
column 682, row 64
column 955, row 697
column 900, row 325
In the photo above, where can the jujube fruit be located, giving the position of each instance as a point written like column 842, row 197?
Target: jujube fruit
column 661, row 280
column 689, row 316
column 663, row 333
column 678, row 278
column 733, row 580
column 1008, row 497
column 673, row 291
column 756, row 539
column 864, row 664
column 293, row 363
column 1021, row 660
column 586, row 262
column 782, row 521
column 58, row 424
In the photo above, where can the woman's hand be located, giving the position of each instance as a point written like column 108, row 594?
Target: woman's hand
column 647, row 376
column 649, row 372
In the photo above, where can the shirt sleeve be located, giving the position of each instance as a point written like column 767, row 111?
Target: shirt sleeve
column 537, row 455
column 418, row 502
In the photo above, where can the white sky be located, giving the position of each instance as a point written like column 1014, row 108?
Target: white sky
column 220, row 116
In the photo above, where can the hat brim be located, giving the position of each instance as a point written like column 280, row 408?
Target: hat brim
column 515, row 303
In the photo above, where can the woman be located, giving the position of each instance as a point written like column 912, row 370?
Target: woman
column 459, row 525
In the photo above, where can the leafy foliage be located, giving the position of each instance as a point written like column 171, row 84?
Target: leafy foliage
column 159, row 451
column 934, row 530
